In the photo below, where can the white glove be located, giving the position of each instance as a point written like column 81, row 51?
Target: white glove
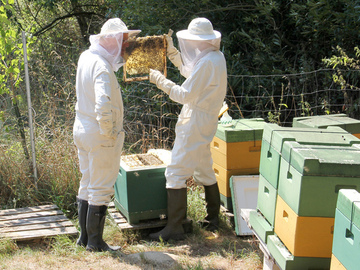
column 160, row 80
column 172, row 53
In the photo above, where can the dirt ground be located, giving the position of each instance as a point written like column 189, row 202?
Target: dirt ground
column 201, row 250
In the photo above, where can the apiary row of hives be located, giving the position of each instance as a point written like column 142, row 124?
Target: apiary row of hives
column 302, row 170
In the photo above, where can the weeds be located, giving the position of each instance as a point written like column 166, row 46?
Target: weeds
column 7, row 246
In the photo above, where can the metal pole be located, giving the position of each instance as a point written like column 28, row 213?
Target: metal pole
column 32, row 141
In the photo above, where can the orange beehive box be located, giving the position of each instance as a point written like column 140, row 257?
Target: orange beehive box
column 237, row 155
column 303, row 236
column 223, row 177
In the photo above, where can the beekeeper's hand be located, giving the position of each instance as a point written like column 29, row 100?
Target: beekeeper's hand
column 172, row 53
column 160, row 80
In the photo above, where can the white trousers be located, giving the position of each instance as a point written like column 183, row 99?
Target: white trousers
column 99, row 159
column 191, row 154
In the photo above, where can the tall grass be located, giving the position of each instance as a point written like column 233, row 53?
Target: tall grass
column 58, row 174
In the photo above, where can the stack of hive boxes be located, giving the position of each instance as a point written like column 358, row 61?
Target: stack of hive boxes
column 346, row 242
column 323, row 121
column 301, row 172
column 235, row 150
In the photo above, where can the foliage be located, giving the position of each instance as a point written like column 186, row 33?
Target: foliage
column 348, row 82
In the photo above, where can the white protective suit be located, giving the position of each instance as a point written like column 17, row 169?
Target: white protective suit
column 202, row 95
column 98, row 128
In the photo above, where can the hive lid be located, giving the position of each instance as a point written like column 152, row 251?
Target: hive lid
column 323, row 160
column 276, row 136
column 241, row 130
column 348, row 203
column 341, row 120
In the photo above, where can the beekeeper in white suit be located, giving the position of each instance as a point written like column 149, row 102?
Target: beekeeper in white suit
column 202, row 95
column 98, row 128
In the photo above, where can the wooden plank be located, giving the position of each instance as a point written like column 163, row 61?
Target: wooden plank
column 32, row 209
column 47, row 225
column 32, row 221
column 31, row 215
column 45, row 233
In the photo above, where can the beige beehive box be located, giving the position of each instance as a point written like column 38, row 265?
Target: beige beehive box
column 145, row 53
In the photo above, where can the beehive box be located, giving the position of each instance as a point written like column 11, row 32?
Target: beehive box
column 310, row 178
column 341, row 120
column 274, row 137
column 288, row 261
column 346, row 242
column 240, row 156
column 303, row 236
column 223, row 177
column 244, row 189
column 238, row 146
column 140, row 192
column 266, row 202
column 260, row 225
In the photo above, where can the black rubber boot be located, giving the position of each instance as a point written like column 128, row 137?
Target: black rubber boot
column 176, row 208
column 82, row 215
column 212, row 198
column 95, row 228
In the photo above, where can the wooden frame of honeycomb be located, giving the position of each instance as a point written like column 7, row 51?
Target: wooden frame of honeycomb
column 142, row 54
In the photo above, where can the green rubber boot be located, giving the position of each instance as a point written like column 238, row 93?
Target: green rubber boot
column 212, row 198
column 177, row 207
column 82, row 216
column 95, row 228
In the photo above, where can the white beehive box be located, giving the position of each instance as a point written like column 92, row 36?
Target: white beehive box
column 244, row 192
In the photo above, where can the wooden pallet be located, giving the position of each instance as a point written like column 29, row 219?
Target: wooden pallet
column 38, row 222
column 122, row 223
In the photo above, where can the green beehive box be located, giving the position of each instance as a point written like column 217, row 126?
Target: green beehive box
column 140, row 192
column 310, row 178
column 289, row 262
column 274, row 137
column 266, row 202
column 346, row 241
column 241, row 130
column 348, row 204
column 260, row 225
column 320, row 160
column 341, row 120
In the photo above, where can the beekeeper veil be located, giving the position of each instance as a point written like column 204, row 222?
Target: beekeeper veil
column 195, row 42
column 109, row 43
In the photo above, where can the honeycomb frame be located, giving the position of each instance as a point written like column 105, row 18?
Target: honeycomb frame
column 142, row 54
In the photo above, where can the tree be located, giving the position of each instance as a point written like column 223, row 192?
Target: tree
column 10, row 64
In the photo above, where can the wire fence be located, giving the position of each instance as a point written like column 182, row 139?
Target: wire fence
column 150, row 116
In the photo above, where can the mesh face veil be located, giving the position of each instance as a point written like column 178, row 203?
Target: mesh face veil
column 193, row 50
column 109, row 46
column 109, row 43
column 195, row 42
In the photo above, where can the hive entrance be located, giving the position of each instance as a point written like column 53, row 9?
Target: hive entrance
column 143, row 54
column 141, row 160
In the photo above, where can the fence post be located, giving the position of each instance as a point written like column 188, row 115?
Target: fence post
column 32, row 140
